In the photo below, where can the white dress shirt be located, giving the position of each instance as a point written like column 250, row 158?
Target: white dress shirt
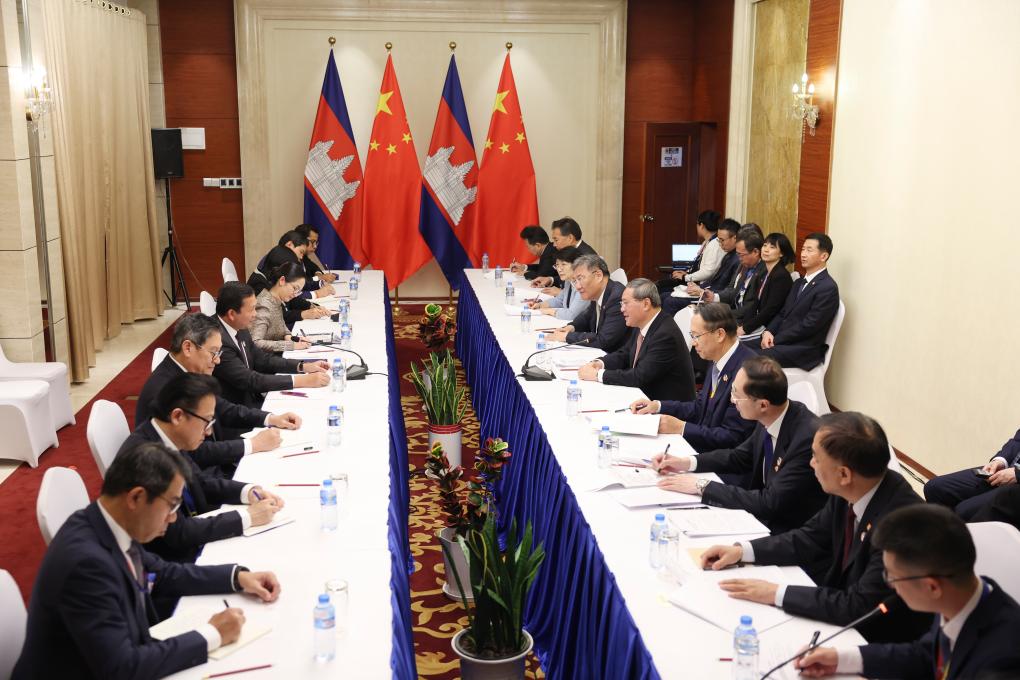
column 808, row 278
column 772, row 431
column 711, row 258
column 643, row 331
column 247, row 361
column 206, row 630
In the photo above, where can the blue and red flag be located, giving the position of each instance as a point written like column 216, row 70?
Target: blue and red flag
column 450, row 184
column 333, row 179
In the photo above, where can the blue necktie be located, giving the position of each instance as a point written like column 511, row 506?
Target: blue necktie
column 715, row 380
column 803, row 285
column 767, row 459
column 189, row 502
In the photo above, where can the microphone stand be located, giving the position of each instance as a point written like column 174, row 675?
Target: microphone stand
column 353, row 372
column 533, row 373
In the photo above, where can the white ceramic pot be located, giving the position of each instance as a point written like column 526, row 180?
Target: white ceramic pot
column 449, row 436
column 448, row 537
column 511, row 668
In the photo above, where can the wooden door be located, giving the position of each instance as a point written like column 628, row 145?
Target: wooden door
column 677, row 182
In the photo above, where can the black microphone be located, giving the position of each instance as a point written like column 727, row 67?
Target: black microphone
column 883, row 607
column 532, row 373
column 353, row 372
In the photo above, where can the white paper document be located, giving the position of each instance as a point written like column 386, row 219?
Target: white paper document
column 644, row 497
column 279, row 519
column 544, row 322
column 644, row 448
column 533, row 294
column 716, row 522
column 289, row 439
column 627, row 423
column 575, row 356
column 185, row 623
column 701, row 595
column 627, row 477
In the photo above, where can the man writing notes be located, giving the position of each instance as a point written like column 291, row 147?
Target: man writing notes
column 851, row 462
column 929, row 558
column 566, row 232
column 655, row 357
column 601, row 324
column 796, row 336
column 537, row 242
column 91, row 607
column 711, row 421
column 769, row 472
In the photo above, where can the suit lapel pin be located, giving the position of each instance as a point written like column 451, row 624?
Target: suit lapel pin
column 725, row 378
column 863, row 534
column 779, row 462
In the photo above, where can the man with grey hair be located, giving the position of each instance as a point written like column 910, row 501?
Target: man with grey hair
column 655, row 357
column 601, row 324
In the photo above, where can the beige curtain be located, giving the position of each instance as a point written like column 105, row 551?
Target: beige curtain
column 98, row 70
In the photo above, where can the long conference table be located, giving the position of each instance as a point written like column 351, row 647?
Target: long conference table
column 369, row 550
column 597, row 609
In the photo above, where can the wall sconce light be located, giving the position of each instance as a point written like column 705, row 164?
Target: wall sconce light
column 38, row 96
column 804, row 108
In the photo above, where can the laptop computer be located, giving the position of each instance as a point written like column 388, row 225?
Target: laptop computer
column 684, row 254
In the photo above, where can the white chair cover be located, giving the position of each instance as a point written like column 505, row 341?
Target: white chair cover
column 106, row 432
column 12, row 623
column 816, row 376
column 619, row 275
column 804, row 392
column 25, row 420
column 997, row 545
column 53, row 372
column 61, row 494
column 158, row 355
column 228, row 270
column 207, row 303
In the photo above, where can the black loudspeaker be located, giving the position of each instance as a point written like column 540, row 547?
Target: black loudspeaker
column 167, row 155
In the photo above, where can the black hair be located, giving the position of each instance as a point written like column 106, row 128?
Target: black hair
column 729, row 225
column 568, row 254
column 592, row 263
column 290, row 271
column 568, row 226
column 295, row 237
column 779, row 240
column 232, row 296
column 184, row 391
column 856, row 441
column 535, row 235
column 710, row 219
column 765, row 380
column 753, row 226
column 824, row 242
column 717, row 315
column 931, row 539
column 752, row 240
column 149, row 465
column 305, row 230
column 194, row 327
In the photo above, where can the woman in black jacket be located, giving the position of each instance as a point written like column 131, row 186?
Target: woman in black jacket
column 777, row 253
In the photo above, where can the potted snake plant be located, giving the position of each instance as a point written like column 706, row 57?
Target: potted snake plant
column 438, row 386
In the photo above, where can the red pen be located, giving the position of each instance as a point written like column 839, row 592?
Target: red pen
column 294, row 394
column 595, row 410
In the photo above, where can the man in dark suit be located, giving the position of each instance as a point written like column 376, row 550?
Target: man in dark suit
column 723, row 276
column 195, row 348
column 246, row 372
column 851, row 462
column 91, row 609
column 601, row 324
column 929, row 558
column 655, row 357
column 538, row 245
column 742, row 291
column 565, row 232
column 966, row 492
column 769, row 474
column 711, row 421
column 182, row 416
column 796, row 336
column 314, row 267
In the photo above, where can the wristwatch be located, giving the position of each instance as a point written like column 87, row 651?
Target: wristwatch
column 237, row 581
column 701, row 484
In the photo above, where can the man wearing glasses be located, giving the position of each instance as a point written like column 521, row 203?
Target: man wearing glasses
column 195, row 348
column 183, row 416
column 769, row 473
column 851, row 462
column 929, row 558
column 602, row 323
column 91, row 605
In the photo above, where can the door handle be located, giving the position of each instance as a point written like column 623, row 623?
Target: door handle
column 648, row 218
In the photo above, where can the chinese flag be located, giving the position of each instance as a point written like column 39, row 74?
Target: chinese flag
column 391, row 238
column 507, row 199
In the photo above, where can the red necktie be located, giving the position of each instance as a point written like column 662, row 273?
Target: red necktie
column 637, row 348
column 848, row 534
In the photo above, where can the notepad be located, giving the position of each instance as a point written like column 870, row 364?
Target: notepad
column 717, row 522
column 180, row 624
column 544, row 322
column 644, row 497
column 700, row 595
column 627, row 423
column 622, row 476
column 279, row 519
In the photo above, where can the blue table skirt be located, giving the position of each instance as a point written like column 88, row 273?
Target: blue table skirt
column 402, row 655
column 575, row 612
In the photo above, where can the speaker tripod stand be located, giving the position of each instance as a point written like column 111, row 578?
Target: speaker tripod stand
column 170, row 253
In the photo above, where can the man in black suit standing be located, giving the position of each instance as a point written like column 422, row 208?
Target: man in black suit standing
column 246, row 372
column 711, row 421
column 195, row 348
column 601, row 324
column 796, row 336
column 929, row 558
column 565, row 232
column 182, row 416
column 769, row 474
column 538, row 245
column 851, row 462
column 655, row 357
column 91, row 608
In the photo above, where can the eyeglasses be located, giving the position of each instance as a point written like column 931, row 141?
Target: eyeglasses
column 215, row 355
column 734, row 398
column 208, row 421
column 695, row 336
column 175, row 505
column 890, row 581
column 581, row 278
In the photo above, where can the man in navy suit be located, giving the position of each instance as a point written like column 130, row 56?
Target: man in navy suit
column 851, row 462
column 967, row 492
column 91, row 605
column 796, row 336
column 182, row 416
column 769, row 472
column 655, row 357
column 602, row 324
column 711, row 421
column 929, row 558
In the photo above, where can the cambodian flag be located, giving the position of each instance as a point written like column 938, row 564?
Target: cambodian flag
column 450, row 183
column 333, row 180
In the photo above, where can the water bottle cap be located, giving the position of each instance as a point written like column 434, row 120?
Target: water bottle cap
column 327, row 482
column 334, row 407
column 659, row 517
column 745, row 620
column 485, row 254
column 323, row 598
column 573, row 383
column 605, row 428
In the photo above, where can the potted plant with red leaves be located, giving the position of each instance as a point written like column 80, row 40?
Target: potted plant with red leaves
column 436, row 328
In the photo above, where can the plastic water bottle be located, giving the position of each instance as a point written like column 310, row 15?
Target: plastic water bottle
column 745, row 648
column 540, row 343
column 573, row 399
column 357, row 267
column 339, row 381
column 499, row 274
column 525, row 319
column 603, row 435
column 654, row 544
column 344, row 311
column 510, row 294
column 325, row 629
column 327, row 505
column 345, row 335
column 334, row 426
column 352, row 287
column 485, row 263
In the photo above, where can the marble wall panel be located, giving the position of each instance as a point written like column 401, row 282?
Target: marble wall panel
column 20, row 315
column 17, row 223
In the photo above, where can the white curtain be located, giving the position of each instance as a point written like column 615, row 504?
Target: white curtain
column 98, row 70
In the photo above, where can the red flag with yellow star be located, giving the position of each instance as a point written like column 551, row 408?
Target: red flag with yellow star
column 507, row 198
column 390, row 237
